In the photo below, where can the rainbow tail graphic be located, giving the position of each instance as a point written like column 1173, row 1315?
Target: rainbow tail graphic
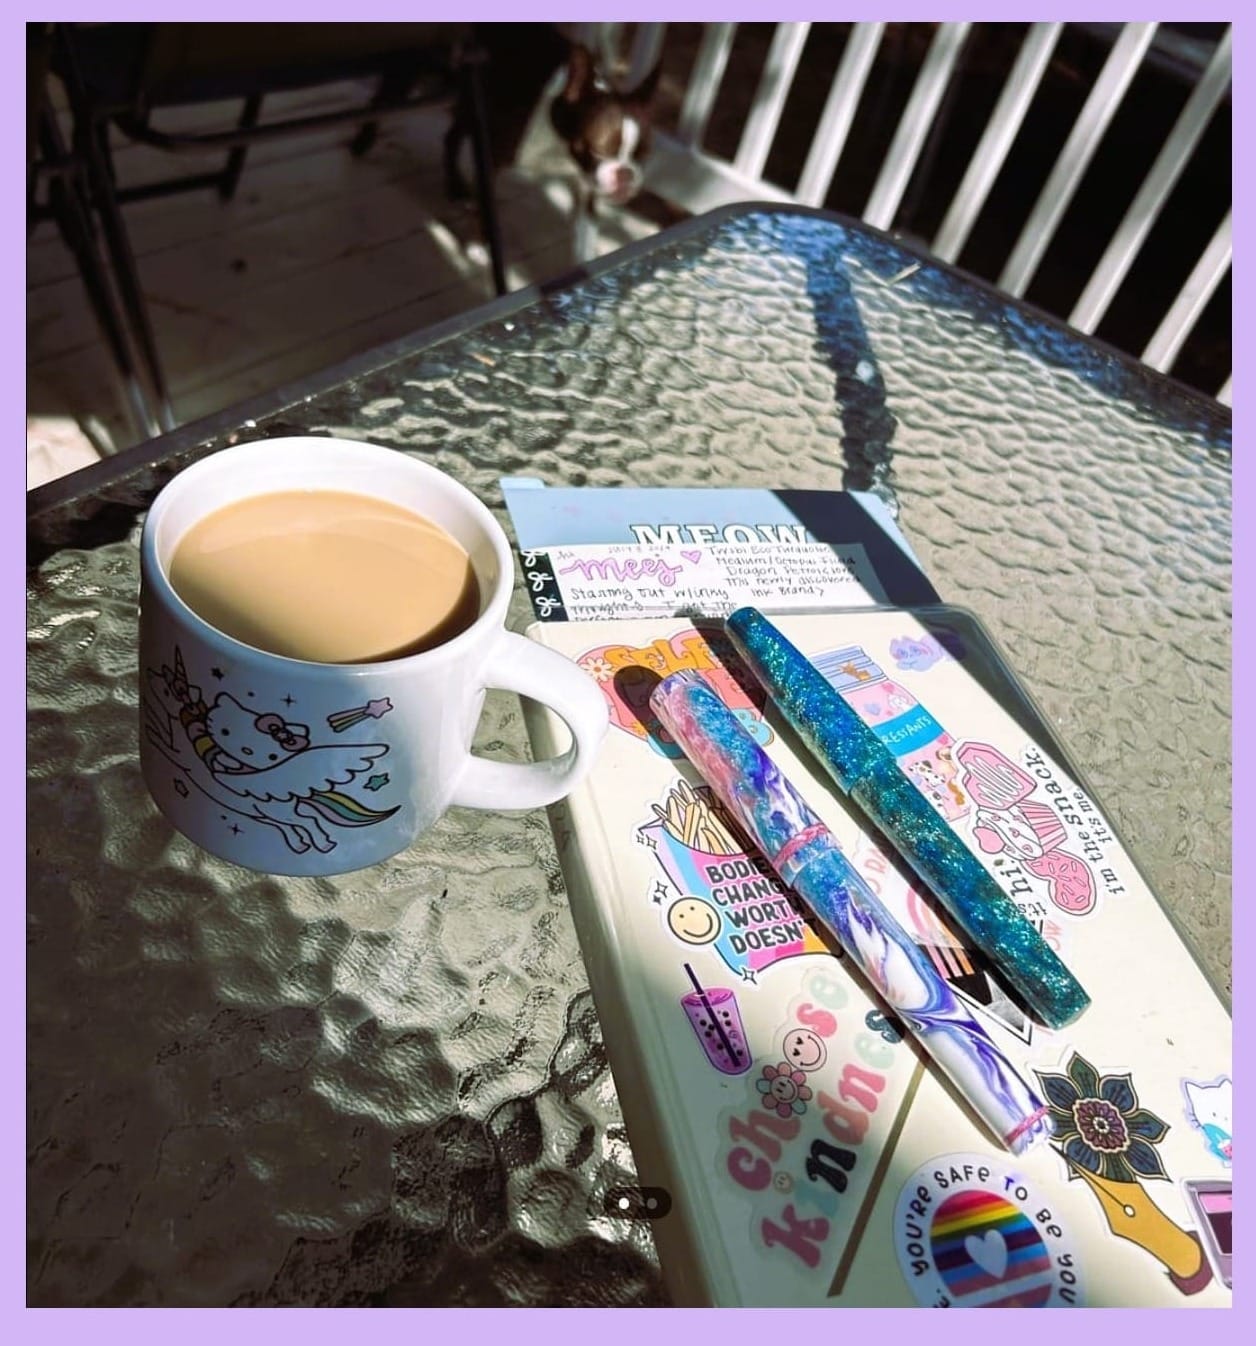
column 344, row 811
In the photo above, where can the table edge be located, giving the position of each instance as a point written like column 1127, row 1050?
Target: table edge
column 89, row 480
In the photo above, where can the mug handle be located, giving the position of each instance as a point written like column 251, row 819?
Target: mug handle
column 541, row 674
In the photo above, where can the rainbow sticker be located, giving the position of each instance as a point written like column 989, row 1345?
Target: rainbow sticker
column 989, row 1253
column 971, row 1233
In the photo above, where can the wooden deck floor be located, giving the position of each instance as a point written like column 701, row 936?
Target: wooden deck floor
column 319, row 256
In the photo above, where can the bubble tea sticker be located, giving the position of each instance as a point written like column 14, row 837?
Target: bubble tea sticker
column 715, row 1018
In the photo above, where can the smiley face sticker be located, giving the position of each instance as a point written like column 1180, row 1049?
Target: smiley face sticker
column 693, row 920
column 803, row 1049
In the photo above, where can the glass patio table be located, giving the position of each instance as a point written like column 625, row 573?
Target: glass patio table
column 390, row 1087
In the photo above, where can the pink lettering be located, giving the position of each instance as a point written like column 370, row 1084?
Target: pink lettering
column 750, row 1172
column 630, row 568
column 801, row 1237
column 849, row 1087
column 818, row 1020
column 753, row 1132
column 843, row 1124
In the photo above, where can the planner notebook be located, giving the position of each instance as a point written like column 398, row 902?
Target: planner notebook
column 796, row 1147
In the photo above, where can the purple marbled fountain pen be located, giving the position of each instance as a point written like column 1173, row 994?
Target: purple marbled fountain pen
column 866, row 770
column 807, row 857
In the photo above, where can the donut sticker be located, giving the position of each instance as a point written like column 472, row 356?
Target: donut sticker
column 970, row 1232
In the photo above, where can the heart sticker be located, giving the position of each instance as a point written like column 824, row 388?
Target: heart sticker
column 989, row 1251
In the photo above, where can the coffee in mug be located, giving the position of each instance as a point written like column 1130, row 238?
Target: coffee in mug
column 320, row 620
column 329, row 576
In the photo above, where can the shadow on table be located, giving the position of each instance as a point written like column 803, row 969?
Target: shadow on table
column 216, row 1118
column 858, row 389
column 1022, row 327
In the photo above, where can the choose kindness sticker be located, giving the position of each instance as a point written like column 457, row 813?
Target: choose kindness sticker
column 971, row 1233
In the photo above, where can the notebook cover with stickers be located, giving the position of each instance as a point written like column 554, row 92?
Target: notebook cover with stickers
column 795, row 1148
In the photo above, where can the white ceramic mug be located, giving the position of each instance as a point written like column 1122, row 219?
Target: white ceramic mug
column 359, row 759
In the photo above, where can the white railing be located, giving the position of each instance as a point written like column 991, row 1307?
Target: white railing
column 688, row 174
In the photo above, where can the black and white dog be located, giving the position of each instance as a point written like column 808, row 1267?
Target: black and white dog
column 553, row 115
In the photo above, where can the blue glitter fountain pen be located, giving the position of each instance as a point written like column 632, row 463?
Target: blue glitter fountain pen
column 867, row 772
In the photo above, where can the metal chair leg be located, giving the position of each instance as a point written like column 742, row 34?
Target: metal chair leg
column 482, row 156
column 122, row 259
column 393, row 88
column 91, row 144
column 230, row 179
column 74, row 223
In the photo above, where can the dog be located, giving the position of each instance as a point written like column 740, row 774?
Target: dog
column 553, row 116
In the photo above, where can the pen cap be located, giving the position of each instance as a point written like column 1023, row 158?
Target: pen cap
column 792, row 681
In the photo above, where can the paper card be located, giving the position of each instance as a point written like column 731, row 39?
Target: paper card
column 703, row 551
column 590, row 583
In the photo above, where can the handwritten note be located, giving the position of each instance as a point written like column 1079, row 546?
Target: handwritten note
column 590, row 583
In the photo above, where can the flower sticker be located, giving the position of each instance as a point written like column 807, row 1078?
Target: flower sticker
column 1099, row 1125
column 598, row 669
column 785, row 1090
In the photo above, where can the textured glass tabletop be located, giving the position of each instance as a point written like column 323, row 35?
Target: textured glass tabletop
column 390, row 1087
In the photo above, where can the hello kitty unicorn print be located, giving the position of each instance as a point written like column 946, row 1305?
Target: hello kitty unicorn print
column 260, row 766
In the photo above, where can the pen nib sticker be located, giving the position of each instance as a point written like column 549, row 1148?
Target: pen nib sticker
column 1109, row 1141
column 727, row 897
column 255, row 764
